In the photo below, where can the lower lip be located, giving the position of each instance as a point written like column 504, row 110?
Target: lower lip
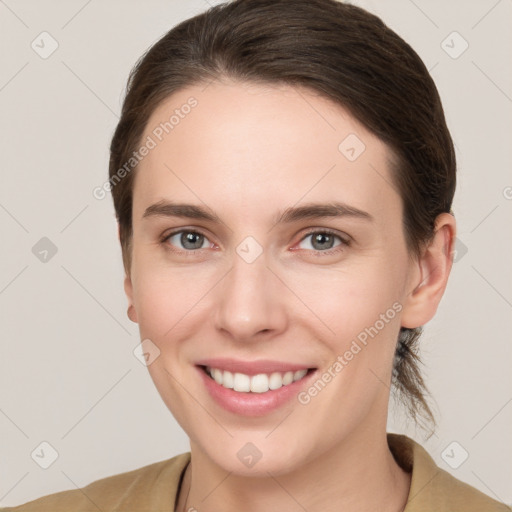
column 253, row 404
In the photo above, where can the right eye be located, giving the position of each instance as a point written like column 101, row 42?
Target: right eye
column 187, row 240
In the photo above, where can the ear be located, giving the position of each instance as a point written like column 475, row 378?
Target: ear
column 128, row 289
column 430, row 275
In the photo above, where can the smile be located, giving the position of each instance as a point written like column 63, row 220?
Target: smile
column 260, row 383
column 253, row 388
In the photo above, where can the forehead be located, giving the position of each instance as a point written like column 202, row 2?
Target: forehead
column 251, row 145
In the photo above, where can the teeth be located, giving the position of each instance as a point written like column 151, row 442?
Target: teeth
column 217, row 376
column 260, row 383
column 241, row 382
column 227, row 379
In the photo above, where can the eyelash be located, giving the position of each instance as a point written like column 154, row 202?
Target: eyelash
column 345, row 242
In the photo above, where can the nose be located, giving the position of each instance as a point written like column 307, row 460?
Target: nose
column 250, row 301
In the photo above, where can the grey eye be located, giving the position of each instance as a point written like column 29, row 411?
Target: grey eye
column 189, row 240
column 321, row 241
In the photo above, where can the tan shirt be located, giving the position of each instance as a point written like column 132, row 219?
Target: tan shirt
column 154, row 488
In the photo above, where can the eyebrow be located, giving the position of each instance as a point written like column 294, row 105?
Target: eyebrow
column 167, row 208
column 170, row 209
column 319, row 210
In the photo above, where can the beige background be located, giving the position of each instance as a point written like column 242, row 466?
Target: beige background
column 68, row 375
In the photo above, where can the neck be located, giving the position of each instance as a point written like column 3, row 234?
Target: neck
column 359, row 474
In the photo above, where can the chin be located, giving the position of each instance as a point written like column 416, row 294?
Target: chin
column 243, row 457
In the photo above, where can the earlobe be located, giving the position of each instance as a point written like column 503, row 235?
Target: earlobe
column 128, row 288
column 430, row 275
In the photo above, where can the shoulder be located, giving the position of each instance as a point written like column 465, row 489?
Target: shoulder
column 155, row 484
column 433, row 488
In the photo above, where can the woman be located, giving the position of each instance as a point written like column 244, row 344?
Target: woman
column 283, row 177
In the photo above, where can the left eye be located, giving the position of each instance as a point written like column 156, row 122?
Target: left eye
column 322, row 240
column 189, row 240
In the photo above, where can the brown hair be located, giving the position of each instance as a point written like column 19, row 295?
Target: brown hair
column 338, row 50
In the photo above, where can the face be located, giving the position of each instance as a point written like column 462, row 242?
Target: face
column 267, row 239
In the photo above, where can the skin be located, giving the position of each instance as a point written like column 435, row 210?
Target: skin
column 247, row 152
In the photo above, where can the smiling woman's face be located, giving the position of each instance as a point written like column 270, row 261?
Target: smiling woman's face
column 261, row 280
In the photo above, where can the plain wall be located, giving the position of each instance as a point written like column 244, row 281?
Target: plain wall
column 68, row 375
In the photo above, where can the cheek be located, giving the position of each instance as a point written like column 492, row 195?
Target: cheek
column 160, row 302
column 168, row 298
column 344, row 301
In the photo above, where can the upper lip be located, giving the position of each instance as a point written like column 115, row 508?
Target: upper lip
column 252, row 367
